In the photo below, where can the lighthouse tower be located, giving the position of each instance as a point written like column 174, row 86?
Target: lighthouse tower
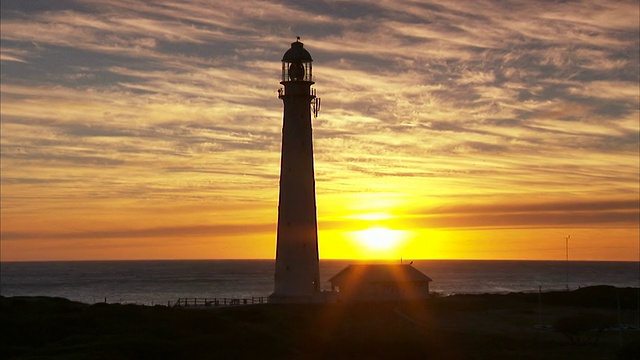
column 297, row 275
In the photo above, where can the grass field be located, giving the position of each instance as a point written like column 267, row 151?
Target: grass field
column 454, row 327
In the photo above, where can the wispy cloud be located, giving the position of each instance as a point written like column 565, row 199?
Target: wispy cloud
column 585, row 214
column 110, row 105
column 159, row 232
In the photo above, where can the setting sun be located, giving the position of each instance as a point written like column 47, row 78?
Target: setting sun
column 379, row 238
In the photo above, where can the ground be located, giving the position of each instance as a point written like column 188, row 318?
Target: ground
column 453, row 327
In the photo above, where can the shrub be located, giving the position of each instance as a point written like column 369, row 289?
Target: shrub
column 583, row 329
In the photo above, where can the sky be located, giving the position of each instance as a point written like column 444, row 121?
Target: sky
column 448, row 129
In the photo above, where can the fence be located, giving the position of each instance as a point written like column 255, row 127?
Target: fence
column 219, row 301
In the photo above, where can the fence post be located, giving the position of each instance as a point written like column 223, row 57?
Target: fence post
column 539, row 304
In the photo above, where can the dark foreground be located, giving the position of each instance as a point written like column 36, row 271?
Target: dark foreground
column 454, row 327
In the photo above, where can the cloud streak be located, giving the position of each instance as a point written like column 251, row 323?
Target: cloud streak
column 462, row 106
column 160, row 232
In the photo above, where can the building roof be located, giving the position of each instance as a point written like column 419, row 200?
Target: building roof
column 296, row 53
column 370, row 273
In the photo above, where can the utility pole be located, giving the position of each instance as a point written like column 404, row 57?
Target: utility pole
column 566, row 239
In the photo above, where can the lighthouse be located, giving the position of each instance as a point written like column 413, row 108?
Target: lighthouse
column 297, row 274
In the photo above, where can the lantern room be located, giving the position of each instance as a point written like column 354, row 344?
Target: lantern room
column 296, row 64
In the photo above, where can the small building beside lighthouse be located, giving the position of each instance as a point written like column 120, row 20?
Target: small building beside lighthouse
column 297, row 273
column 380, row 282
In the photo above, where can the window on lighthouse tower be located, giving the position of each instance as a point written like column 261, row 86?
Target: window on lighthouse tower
column 296, row 71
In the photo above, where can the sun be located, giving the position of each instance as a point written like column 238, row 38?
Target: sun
column 379, row 238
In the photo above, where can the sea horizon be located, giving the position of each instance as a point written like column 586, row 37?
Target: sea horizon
column 321, row 259
column 161, row 281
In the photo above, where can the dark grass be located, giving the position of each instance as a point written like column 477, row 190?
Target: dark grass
column 456, row 327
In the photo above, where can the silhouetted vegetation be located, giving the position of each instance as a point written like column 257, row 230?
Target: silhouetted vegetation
column 603, row 296
column 455, row 327
column 583, row 329
column 630, row 351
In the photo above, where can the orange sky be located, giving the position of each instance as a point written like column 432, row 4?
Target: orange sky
column 151, row 130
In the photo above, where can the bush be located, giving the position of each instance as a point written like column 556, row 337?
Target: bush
column 583, row 329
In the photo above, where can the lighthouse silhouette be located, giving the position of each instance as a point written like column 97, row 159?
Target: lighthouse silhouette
column 297, row 274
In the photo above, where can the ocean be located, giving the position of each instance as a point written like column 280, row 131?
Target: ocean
column 159, row 282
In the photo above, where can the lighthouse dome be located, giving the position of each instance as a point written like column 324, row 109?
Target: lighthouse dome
column 297, row 53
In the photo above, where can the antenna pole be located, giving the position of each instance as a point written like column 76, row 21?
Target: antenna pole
column 566, row 240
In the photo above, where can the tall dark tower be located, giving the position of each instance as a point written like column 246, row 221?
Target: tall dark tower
column 297, row 276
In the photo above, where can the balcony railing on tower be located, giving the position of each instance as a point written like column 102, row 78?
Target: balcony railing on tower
column 282, row 92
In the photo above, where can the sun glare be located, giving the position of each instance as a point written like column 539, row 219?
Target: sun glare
column 372, row 216
column 379, row 238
